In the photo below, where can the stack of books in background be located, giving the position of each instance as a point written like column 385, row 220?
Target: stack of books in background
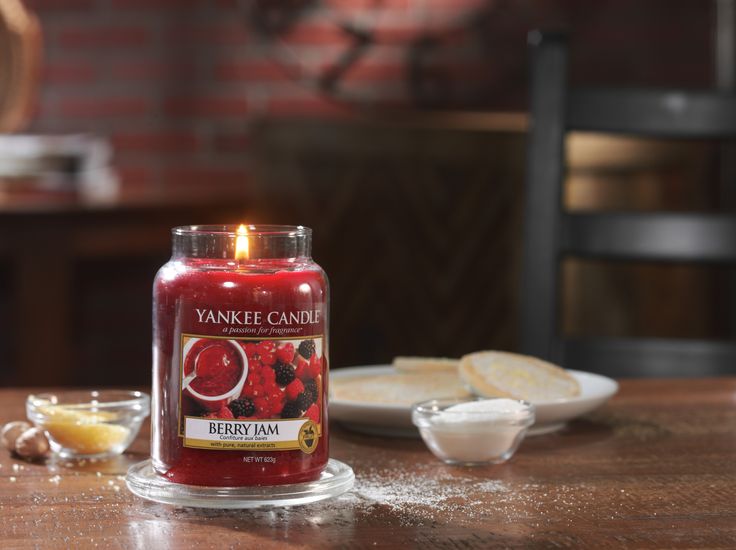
column 63, row 167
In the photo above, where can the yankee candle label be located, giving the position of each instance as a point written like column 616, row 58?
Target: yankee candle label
column 300, row 433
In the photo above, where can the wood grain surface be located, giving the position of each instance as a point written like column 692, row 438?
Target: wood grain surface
column 656, row 468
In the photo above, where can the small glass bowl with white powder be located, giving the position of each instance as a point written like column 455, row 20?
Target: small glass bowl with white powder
column 473, row 432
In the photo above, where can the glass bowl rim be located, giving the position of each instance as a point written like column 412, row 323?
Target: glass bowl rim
column 127, row 399
column 433, row 407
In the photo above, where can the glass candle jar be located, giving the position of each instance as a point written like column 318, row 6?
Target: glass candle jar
column 240, row 358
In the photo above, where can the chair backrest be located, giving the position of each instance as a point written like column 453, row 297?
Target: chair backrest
column 551, row 233
column 388, row 189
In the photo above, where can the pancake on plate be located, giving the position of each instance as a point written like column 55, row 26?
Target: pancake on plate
column 425, row 364
column 503, row 374
column 398, row 389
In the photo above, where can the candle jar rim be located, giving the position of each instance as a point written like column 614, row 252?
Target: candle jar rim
column 259, row 242
column 253, row 230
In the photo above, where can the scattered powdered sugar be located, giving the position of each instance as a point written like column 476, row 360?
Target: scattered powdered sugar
column 421, row 492
column 404, row 490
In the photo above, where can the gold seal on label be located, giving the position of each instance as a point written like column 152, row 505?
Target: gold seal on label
column 308, row 437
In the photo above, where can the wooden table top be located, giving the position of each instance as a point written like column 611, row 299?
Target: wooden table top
column 656, row 467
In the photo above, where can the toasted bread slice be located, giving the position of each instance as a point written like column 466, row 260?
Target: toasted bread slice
column 398, row 388
column 425, row 364
column 503, row 374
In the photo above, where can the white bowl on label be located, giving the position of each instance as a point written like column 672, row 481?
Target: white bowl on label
column 215, row 402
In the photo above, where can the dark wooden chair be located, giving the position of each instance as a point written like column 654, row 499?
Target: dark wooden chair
column 551, row 233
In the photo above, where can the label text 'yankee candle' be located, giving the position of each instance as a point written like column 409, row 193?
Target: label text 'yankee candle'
column 274, row 318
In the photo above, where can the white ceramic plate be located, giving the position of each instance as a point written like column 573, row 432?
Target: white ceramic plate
column 395, row 420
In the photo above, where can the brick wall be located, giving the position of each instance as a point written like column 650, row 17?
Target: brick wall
column 176, row 83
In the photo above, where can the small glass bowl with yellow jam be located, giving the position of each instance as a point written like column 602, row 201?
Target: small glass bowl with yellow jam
column 89, row 424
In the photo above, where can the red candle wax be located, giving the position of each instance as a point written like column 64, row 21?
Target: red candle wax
column 240, row 360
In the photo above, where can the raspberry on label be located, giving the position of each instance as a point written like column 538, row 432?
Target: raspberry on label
column 315, row 366
column 285, row 353
column 302, row 369
column 225, row 413
column 276, row 409
column 266, row 347
column 294, row 388
column 269, row 376
column 313, row 413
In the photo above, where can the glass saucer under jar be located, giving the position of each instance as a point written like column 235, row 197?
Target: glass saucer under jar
column 336, row 479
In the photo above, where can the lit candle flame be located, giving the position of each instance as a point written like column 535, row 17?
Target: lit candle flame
column 242, row 251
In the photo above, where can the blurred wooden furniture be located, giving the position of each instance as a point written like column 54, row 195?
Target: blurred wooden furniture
column 416, row 221
column 551, row 233
column 656, row 468
column 53, row 255
column 21, row 50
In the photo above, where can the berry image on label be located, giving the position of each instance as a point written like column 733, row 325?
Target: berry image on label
column 265, row 390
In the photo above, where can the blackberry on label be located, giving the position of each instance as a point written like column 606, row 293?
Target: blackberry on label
column 310, row 388
column 284, row 373
column 306, row 348
column 242, row 407
column 303, row 400
column 291, row 410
